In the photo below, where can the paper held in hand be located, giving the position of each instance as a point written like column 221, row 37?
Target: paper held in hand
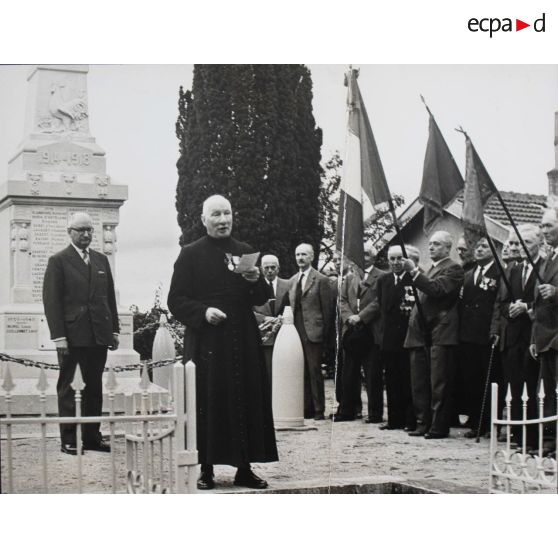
column 247, row 262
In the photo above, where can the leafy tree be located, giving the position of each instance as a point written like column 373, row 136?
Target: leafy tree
column 147, row 323
column 247, row 132
column 376, row 227
column 329, row 205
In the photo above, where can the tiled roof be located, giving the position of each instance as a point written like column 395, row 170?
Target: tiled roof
column 524, row 208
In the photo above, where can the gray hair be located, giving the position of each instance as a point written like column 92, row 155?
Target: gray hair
column 78, row 217
column 445, row 237
column 311, row 249
column 270, row 259
column 531, row 229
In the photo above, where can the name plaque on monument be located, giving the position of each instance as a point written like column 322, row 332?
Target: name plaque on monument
column 49, row 235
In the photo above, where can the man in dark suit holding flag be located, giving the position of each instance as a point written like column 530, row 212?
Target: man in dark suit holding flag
column 394, row 301
column 432, row 337
column 476, row 305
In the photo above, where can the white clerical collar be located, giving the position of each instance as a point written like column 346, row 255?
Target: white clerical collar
column 435, row 264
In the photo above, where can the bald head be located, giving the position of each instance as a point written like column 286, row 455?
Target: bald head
column 217, row 216
column 439, row 245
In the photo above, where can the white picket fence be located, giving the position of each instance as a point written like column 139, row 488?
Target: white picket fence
column 158, row 432
column 516, row 469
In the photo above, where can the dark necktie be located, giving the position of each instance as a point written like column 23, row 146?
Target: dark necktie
column 479, row 276
column 85, row 257
column 272, row 298
column 298, row 295
column 398, row 277
column 524, row 275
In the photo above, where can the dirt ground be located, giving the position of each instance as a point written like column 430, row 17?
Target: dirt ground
column 329, row 454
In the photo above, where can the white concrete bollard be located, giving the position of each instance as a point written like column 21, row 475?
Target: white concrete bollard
column 288, row 375
column 163, row 348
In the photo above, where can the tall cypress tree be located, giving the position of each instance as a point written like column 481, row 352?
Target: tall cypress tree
column 247, row 132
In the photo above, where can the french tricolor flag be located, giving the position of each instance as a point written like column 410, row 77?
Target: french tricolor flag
column 363, row 172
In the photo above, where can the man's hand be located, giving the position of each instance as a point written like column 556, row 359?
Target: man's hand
column 252, row 275
column 517, row 308
column 409, row 265
column 533, row 351
column 115, row 342
column 353, row 320
column 214, row 316
column 547, row 291
column 62, row 347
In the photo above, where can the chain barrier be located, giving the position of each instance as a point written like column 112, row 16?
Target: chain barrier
column 48, row 366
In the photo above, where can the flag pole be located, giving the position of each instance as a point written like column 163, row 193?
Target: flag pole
column 422, row 319
column 488, row 237
column 520, row 238
column 510, row 218
column 499, row 264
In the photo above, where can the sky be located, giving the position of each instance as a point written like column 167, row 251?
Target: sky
column 508, row 111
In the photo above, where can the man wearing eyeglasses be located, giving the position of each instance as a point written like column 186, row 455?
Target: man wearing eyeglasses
column 80, row 308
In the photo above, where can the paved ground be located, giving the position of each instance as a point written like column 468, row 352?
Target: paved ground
column 333, row 453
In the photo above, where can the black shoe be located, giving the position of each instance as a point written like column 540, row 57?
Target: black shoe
column 434, row 436
column 101, row 445
column 372, row 420
column 339, row 417
column 248, row 479
column 390, row 427
column 471, row 434
column 416, row 433
column 206, row 481
column 70, row 449
column 319, row 417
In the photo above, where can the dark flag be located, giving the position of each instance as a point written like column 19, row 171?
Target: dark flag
column 441, row 179
column 479, row 188
column 363, row 171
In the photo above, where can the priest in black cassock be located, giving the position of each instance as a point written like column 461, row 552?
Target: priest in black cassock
column 234, row 417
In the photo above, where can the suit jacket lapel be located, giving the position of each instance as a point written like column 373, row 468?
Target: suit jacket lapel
column 309, row 280
column 75, row 259
column 94, row 270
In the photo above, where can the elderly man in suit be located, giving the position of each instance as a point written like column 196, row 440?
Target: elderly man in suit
column 545, row 323
column 267, row 313
column 511, row 330
column 311, row 300
column 476, row 306
column 432, row 337
column 360, row 338
column 80, row 308
column 393, row 305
